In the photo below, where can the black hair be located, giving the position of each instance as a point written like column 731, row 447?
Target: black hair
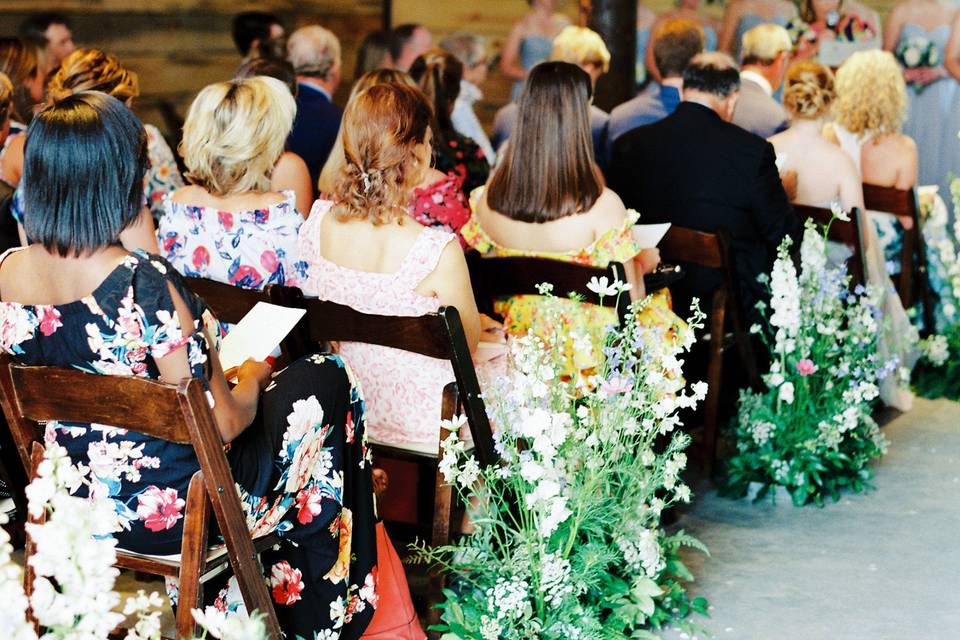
column 35, row 27
column 252, row 25
column 400, row 36
column 272, row 67
column 84, row 161
column 713, row 73
column 438, row 74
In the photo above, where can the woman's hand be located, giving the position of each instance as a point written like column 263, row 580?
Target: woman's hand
column 251, row 369
column 924, row 75
column 648, row 260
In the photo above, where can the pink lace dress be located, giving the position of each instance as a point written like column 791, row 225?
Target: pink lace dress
column 401, row 390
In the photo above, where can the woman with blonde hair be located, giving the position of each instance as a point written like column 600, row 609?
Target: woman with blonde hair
column 228, row 224
column 20, row 62
column 363, row 251
column 95, row 70
column 825, row 174
column 438, row 199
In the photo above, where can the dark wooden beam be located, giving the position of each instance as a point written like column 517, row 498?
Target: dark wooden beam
column 616, row 22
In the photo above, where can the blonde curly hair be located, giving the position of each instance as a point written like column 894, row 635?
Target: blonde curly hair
column 93, row 70
column 808, row 90
column 871, row 94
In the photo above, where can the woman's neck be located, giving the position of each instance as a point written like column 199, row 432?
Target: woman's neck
column 804, row 126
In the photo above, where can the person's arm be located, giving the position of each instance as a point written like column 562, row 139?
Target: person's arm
column 292, row 173
column 142, row 234
column 951, row 54
column 907, row 175
column 851, row 189
column 510, row 55
column 728, row 30
column 11, row 165
column 450, row 282
column 891, row 32
column 234, row 409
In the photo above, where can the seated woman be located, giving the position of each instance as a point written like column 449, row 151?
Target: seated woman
column 228, row 225
column 291, row 171
column 825, row 174
column 368, row 254
column 438, row 199
column 94, row 70
column 868, row 111
column 79, row 300
column 572, row 217
column 439, row 73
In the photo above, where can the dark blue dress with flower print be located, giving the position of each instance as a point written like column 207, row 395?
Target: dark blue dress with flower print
column 302, row 468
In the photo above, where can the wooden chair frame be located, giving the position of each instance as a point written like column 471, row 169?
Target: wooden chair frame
column 849, row 233
column 714, row 251
column 913, row 283
column 177, row 413
column 493, row 278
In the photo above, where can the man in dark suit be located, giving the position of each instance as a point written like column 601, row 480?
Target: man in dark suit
column 314, row 53
column 695, row 169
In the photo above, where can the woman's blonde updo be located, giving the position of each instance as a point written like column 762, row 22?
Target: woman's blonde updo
column 235, row 132
column 93, row 70
column 871, row 93
column 382, row 127
column 808, row 90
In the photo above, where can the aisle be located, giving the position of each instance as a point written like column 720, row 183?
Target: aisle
column 878, row 566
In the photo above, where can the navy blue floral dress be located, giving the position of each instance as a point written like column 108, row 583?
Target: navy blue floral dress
column 302, row 468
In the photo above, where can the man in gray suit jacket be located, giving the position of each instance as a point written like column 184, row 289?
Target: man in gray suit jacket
column 766, row 54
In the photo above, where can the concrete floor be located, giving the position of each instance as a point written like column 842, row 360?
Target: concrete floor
column 884, row 565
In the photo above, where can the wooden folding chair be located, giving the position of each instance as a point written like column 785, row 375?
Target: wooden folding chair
column 230, row 304
column 912, row 283
column 494, row 278
column 178, row 413
column 844, row 232
column 437, row 335
column 713, row 251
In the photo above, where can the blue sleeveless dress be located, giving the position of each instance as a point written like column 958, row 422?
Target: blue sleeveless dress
column 933, row 119
column 533, row 50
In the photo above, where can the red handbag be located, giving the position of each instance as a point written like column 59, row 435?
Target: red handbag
column 395, row 617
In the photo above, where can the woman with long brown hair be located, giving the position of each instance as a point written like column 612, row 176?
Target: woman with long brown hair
column 547, row 199
column 19, row 61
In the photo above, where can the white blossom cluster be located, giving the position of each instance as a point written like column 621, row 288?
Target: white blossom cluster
column 641, row 551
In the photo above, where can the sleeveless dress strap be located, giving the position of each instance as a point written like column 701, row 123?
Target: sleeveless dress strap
column 423, row 257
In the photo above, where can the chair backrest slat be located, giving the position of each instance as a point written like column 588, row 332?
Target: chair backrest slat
column 227, row 302
column 901, row 202
column 493, row 278
column 51, row 393
column 681, row 244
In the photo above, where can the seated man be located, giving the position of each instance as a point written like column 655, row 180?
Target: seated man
column 695, row 169
column 584, row 48
column 675, row 42
column 766, row 54
column 314, row 53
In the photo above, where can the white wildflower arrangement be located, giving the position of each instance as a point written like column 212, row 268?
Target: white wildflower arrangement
column 567, row 540
column 938, row 372
column 74, row 597
column 810, row 428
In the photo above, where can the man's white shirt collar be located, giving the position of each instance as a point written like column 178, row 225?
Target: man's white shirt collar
column 750, row 74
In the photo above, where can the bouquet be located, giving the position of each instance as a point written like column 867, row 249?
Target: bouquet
column 810, row 430
column 921, row 61
column 567, row 541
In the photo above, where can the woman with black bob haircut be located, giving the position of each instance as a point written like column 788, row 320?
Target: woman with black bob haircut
column 76, row 298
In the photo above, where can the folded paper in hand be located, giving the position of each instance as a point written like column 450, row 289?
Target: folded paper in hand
column 649, row 235
column 258, row 333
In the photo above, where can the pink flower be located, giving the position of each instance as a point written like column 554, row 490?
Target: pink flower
column 806, row 367
column 615, row 385
column 269, row 261
column 309, row 503
column 286, row 583
column 201, row 257
column 49, row 319
column 159, row 508
column 226, row 219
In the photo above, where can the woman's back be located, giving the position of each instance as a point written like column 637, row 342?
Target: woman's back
column 824, row 171
column 889, row 161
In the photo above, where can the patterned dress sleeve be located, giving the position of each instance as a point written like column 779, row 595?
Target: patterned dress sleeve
column 163, row 175
column 617, row 244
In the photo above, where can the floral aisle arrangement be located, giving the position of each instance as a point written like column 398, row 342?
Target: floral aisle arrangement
column 938, row 372
column 810, row 429
column 567, row 541
column 73, row 596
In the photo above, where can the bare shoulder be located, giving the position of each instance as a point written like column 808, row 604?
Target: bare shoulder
column 188, row 194
column 290, row 161
column 608, row 211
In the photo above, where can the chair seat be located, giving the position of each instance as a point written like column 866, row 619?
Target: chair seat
column 169, row 565
column 405, row 451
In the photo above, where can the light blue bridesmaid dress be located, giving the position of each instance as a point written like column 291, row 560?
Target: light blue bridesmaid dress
column 533, row 51
column 643, row 40
column 933, row 118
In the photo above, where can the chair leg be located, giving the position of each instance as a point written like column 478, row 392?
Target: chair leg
column 442, row 526
column 193, row 551
column 714, row 374
column 30, row 547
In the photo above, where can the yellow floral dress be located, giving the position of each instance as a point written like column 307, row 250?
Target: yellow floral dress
column 525, row 312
